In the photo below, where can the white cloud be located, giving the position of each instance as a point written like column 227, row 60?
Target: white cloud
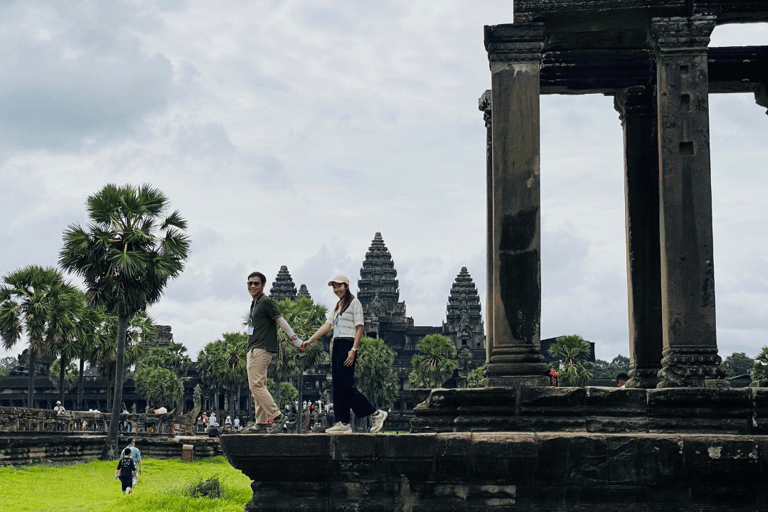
column 289, row 135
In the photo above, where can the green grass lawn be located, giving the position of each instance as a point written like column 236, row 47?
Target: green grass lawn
column 92, row 486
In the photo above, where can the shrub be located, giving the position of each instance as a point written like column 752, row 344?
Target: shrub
column 210, row 488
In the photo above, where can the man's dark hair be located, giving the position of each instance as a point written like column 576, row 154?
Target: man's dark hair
column 261, row 277
column 622, row 376
column 130, row 440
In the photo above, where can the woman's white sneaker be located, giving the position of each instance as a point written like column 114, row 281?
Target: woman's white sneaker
column 378, row 421
column 340, row 428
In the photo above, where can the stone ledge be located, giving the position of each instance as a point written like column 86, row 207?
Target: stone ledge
column 594, row 409
column 28, row 448
column 503, row 471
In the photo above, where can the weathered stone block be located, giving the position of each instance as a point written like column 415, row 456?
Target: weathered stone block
column 616, row 424
column 500, row 456
column 616, row 400
column 552, row 397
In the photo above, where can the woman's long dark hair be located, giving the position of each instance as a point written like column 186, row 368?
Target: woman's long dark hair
column 345, row 301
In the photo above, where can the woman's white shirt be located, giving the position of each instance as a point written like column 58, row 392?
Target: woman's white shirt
column 344, row 325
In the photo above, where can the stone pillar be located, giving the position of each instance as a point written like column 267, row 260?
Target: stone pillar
column 687, row 269
column 514, row 53
column 484, row 104
column 637, row 111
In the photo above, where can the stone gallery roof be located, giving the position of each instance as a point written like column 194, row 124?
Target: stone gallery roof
column 283, row 287
column 303, row 292
column 377, row 276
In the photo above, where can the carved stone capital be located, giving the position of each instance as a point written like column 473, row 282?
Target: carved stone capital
column 682, row 34
column 635, row 101
column 514, row 43
column 484, row 105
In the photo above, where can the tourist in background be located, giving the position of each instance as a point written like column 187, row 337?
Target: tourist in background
column 621, row 380
column 126, row 471
column 60, row 411
column 211, row 420
column 136, row 457
column 346, row 319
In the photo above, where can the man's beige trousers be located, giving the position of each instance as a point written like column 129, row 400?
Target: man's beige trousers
column 257, row 363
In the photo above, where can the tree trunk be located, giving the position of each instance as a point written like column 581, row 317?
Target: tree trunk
column 62, row 371
column 31, row 359
column 231, row 404
column 299, row 430
column 80, row 384
column 110, row 447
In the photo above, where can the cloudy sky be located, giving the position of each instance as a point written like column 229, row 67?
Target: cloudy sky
column 289, row 132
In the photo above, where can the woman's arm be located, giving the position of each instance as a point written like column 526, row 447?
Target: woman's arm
column 318, row 334
column 355, row 345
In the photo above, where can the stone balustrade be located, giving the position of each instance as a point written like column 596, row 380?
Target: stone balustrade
column 25, row 448
column 22, row 419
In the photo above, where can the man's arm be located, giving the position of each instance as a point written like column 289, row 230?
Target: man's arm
column 288, row 331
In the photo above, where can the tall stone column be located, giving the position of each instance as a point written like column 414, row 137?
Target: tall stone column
column 687, row 269
column 484, row 104
column 637, row 111
column 514, row 53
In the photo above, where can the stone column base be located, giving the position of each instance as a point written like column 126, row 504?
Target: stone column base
column 516, row 381
column 645, row 378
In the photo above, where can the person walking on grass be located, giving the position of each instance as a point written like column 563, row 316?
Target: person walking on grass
column 136, row 457
column 346, row 319
column 126, row 471
column 263, row 319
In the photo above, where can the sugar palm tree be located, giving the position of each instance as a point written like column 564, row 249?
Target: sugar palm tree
column 69, row 342
column 141, row 333
column 34, row 301
column 305, row 317
column 93, row 336
column 435, row 364
column 126, row 256
column 573, row 368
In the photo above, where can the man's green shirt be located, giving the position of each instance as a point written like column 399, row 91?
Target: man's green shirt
column 263, row 319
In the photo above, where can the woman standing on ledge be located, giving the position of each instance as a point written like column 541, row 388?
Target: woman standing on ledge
column 347, row 322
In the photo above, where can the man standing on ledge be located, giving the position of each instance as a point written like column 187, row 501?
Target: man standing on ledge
column 262, row 343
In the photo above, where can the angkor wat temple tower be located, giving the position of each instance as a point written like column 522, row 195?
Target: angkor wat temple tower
column 303, row 292
column 464, row 321
column 283, row 287
column 385, row 314
column 379, row 293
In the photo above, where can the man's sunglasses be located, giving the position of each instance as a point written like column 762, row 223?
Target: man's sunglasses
column 254, row 283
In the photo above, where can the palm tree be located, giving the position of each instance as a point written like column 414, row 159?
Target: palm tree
column 93, row 333
column 126, row 257
column 233, row 365
column 141, row 333
column 435, row 364
column 573, row 368
column 373, row 371
column 305, row 317
column 34, row 301
column 72, row 332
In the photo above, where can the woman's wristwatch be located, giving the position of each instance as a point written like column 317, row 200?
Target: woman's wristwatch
column 353, row 349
